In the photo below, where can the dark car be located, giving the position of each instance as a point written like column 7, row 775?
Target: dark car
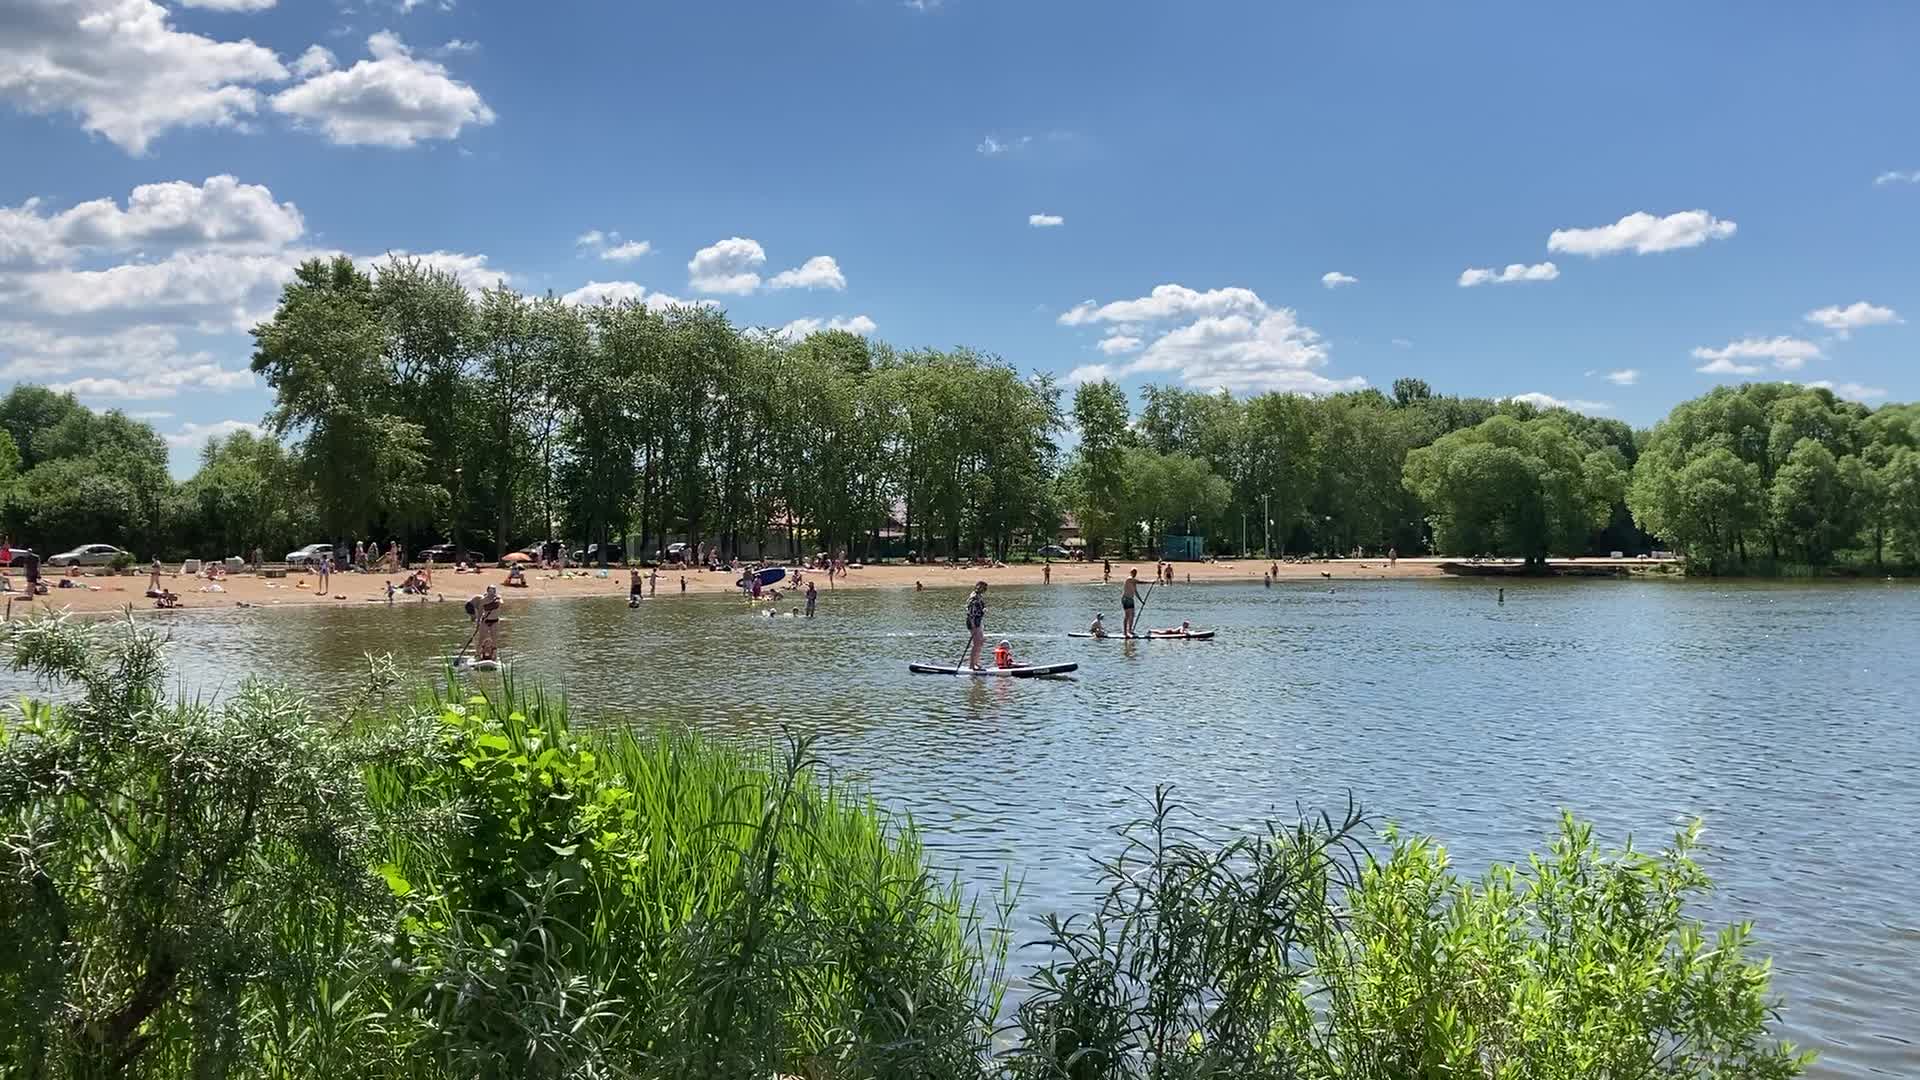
column 616, row 554
column 1053, row 551
column 445, row 553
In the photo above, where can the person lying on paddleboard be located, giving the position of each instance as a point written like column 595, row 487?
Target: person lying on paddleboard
column 1098, row 627
column 1182, row 630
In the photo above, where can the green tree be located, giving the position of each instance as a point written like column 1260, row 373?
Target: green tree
column 1514, row 487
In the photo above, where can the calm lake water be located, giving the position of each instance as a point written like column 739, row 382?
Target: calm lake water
column 1782, row 715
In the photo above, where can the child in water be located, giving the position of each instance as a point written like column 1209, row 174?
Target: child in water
column 1003, row 655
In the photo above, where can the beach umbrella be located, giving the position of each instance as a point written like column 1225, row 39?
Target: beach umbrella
column 516, row 556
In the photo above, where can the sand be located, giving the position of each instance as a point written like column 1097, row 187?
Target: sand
column 112, row 593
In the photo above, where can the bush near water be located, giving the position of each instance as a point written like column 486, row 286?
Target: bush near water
column 465, row 886
column 405, row 408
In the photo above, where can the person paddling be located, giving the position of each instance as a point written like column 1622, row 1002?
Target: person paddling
column 977, row 621
column 486, row 624
column 1129, row 595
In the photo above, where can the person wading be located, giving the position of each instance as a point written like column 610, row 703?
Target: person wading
column 1129, row 596
column 977, row 621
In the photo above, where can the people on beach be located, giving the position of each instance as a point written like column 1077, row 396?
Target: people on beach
column 918, row 587
column 167, row 599
column 683, row 583
column 653, row 581
column 30, row 563
column 813, row 597
column 325, row 567
column 516, row 576
column 1106, row 571
column 1098, row 628
column 977, row 621
column 1129, row 595
column 153, row 575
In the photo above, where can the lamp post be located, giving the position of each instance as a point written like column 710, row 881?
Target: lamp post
column 1266, row 535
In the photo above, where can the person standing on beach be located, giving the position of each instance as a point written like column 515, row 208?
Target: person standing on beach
column 977, row 621
column 1106, row 570
column 1046, row 572
column 153, row 575
column 1129, row 595
column 813, row 597
column 359, row 555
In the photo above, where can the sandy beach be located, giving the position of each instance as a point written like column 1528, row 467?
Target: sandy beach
column 99, row 592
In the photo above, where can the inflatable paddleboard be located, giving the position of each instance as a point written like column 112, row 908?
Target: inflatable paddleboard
column 767, row 576
column 1028, row 671
column 1192, row 635
column 478, row 665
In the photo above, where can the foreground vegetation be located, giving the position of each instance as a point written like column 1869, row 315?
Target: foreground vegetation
column 407, row 408
column 466, row 887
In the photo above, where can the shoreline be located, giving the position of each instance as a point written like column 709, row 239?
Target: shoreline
column 109, row 594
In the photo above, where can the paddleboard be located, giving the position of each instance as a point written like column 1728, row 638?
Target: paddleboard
column 1195, row 635
column 1028, row 671
column 478, row 665
column 767, row 575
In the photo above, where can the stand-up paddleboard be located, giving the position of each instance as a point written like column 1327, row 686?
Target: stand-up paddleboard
column 767, row 575
column 1026, row 671
column 467, row 664
column 1156, row 635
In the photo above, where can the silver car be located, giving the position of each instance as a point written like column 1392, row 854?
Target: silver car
column 312, row 553
column 87, row 555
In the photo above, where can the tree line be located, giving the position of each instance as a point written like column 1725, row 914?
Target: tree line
column 406, row 406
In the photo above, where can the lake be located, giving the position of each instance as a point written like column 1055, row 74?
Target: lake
column 1783, row 715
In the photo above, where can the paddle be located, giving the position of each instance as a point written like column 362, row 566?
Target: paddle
column 1142, row 610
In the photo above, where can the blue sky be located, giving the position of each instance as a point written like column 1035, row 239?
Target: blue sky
column 1650, row 189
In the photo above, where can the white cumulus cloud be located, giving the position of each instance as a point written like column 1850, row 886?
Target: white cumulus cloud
column 1514, row 272
column 1624, row 377
column 819, row 272
column 1120, row 344
column 1895, row 176
column 1217, row 339
column 191, row 434
column 1642, row 233
column 317, row 60
column 1547, row 401
column 729, row 267
column 994, row 146
column 152, row 385
column 394, row 99
column 1852, row 391
column 241, row 6
column 594, row 293
column 123, row 69
column 1844, row 320
column 219, row 213
column 1333, row 279
column 1785, row 353
column 800, row 329
column 1045, row 221
column 626, row 252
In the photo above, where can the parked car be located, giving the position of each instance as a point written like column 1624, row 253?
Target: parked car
column 87, row 555
column 544, row 551
column 1054, row 551
column 616, row 554
column 312, row 553
column 447, row 553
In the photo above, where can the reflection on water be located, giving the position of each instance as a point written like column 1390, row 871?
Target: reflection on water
column 1783, row 715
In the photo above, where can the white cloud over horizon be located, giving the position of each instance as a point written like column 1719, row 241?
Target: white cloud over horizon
column 819, row 272
column 1844, row 320
column 1045, row 221
column 191, row 434
column 1513, row 273
column 1333, row 279
column 800, row 329
column 730, row 267
column 1547, row 401
column 1225, row 338
column 1623, row 377
column 1852, row 391
column 1642, row 234
column 1784, row 353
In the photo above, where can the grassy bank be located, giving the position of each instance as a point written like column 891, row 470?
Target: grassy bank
column 443, row 885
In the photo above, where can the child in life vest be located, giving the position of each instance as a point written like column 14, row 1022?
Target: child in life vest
column 1003, row 655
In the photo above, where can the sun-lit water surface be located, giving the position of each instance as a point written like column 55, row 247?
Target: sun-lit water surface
column 1782, row 715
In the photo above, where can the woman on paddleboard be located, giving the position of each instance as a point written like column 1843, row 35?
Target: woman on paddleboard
column 1129, row 594
column 977, row 620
